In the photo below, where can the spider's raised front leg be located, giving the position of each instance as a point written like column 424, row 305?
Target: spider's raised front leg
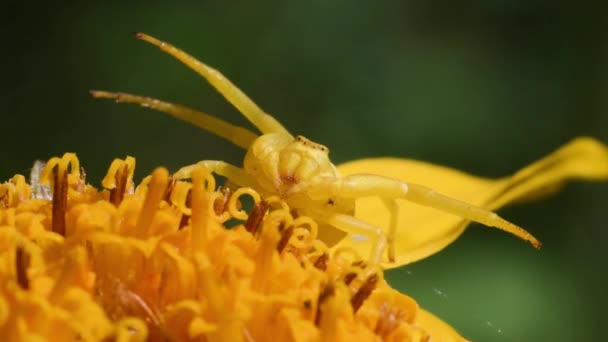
column 237, row 135
column 233, row 173
column 263, row 121
column 363, row 185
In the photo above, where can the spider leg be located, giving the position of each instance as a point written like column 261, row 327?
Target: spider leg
column 362, row 185
column 351, row 225
column 233, row 173
column 263, row 121
column 237, row 135
column 393, row 209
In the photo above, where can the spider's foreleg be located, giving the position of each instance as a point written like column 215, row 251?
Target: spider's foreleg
column 263, row 121
column 351, row 225
column 372, row 185
column 233, row 173
column 237, row 135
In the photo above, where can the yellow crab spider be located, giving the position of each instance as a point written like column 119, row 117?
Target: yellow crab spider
column 299, row 170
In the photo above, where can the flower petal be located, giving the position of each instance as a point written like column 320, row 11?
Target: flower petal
column 424, row 231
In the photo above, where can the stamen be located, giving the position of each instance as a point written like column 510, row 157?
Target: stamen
column 349, row 277
column 119, row 178
column 203, row 215
column 58, row 167
column 306, row 230
column 221, row 204
column 185, row 217
column 321, row 262
column 180, row 195
column 169, row 190
column 256, row 216
column 359, row 263
column 156, row 190
column 22, row 262
column 328, row 291
column 235, row 205
column 340, row 251
column 286, row 235
column 354, row 271
column 4, row 198
column 364, row 292
column 60, row 201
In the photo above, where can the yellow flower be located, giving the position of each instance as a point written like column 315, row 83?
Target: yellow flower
column 156, row 262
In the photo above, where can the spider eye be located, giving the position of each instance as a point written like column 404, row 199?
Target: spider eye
column 311, row 144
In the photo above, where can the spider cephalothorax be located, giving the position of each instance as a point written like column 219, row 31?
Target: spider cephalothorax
column 299, row 170
column 282, row 164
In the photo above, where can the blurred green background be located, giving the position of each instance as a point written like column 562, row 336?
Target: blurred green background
column 482, row 86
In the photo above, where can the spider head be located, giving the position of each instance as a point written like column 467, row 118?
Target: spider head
column 303, row 160
column 307, row 144
column 282, row 163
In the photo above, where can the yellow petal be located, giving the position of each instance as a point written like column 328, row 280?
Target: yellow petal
column 424, row 231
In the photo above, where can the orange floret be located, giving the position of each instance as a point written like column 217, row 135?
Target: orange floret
column 157, row 262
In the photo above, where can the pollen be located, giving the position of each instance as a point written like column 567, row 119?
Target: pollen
column 156, row 262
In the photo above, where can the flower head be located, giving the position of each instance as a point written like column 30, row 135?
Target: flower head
column 156, row 262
